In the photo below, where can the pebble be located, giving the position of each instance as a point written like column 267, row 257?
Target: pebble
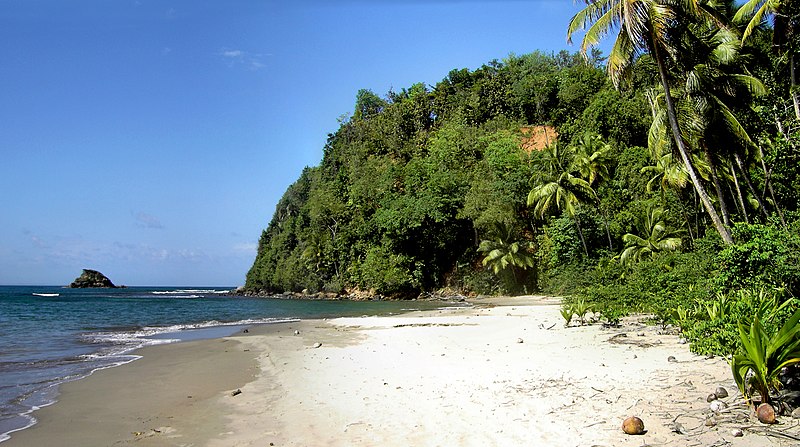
column 296, row 332
column 672, row 359
column 718, row 405
column 721, row 392
column 737, row 433
column 711, row 398
column 796, row 413
column 519, row 340
column 236, row 393
column 317, row 345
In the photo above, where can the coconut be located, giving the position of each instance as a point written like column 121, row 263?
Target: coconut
column 633, row 426
column 766, row 414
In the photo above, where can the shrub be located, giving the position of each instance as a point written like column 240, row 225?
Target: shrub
column 764, row 354
column 763, row 255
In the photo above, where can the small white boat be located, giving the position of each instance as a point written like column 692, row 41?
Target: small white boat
column 46, row 294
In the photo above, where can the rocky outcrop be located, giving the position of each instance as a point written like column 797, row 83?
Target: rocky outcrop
column 92, row 278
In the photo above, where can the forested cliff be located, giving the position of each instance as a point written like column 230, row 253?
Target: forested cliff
column 464, row 185
column 412, row 183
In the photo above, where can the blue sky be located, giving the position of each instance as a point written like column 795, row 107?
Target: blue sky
column 152, row 139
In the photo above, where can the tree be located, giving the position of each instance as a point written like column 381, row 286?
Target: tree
column 501, row 254
column 654, row 237
column 667, row 173
column 593, row 163
column 504, row 253
column 561, row 188
column 645, row 26
column 785, row 16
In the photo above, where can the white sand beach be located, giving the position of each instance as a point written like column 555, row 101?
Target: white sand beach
column 503, row 373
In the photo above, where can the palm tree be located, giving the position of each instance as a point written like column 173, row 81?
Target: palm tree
column 785, row 16
column 591, row 157
column 667, row 173
column 645, row 26
column 561, row 188
column 592, row 162
column 655, row 237
column 503, row 253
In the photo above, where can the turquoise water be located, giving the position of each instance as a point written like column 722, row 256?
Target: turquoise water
column 50, row 335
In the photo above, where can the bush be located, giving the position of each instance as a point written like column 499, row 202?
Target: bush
column 763, row 256
column 713, row 328
column 388, row 273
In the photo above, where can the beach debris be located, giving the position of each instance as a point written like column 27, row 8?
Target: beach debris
column 246, row 331
column 519, row 340
column 677, row 427
column 721, row 392
column 718, row 405
column 296, row 332
column 766, row 414
column 711, row 397
column 633, row 426
column 672, row 359
column 236, row 393
column 317, row 345
column 737, row 433
column 682, row 341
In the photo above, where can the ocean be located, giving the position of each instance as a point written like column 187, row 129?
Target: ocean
column 50, row 334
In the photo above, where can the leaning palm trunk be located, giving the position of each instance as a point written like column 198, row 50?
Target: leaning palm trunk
column 723, row 231
column 768, row 183
column 723, row 207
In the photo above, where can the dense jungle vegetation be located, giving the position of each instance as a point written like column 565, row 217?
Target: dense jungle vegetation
column 672, row 187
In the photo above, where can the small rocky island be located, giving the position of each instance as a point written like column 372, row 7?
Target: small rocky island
column 92, row 279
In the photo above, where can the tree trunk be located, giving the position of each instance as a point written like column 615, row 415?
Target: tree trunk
column 793, row 85
column 723, row 207
column 767, row 180
column 750, row 185
column 723, row 231
column 605, row 223
column 580, row 233
column 739, row 193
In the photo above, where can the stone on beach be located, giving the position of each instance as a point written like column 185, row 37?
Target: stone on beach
column 721, row 392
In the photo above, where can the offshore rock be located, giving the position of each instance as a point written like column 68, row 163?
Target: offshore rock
column 90, row 279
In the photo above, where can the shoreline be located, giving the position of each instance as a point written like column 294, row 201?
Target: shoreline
column 503, row 372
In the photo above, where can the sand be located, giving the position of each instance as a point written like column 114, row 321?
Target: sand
column 503, row 373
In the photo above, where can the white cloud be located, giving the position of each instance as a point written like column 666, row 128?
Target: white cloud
column 235, row 57
column 144, row 220
column 246, row 247
column 234, row 54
